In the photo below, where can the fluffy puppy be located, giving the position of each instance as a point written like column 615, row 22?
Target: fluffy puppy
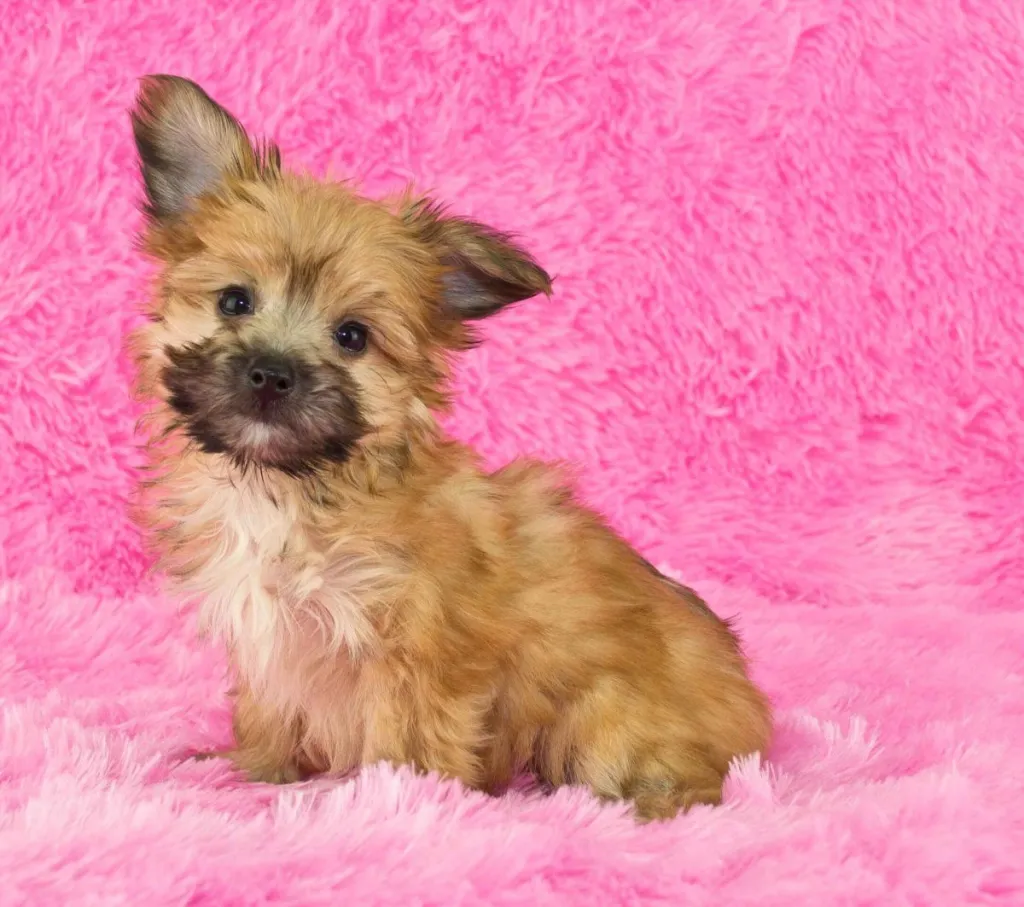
column 382, row 597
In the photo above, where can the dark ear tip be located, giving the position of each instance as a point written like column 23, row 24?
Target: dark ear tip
column 542, row 282
column 151, row 97
column 156, row 89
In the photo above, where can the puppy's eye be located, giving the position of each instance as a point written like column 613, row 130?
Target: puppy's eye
column 234, row 301
column 352, row 336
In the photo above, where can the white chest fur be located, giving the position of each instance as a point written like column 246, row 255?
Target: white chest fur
column 283, row 601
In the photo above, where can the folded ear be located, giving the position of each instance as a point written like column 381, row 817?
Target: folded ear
column 484, row 270
column 188, row 144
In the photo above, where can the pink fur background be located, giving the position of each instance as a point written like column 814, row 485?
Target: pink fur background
column 785, row 350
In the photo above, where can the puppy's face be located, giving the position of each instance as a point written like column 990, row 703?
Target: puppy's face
column 295, row 321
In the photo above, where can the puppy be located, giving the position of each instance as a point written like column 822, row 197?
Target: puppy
column 381, row 596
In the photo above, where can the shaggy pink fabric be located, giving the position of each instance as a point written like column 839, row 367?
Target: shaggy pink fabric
column 785, row 349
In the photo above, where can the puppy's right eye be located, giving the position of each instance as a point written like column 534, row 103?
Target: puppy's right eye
column 234, row 301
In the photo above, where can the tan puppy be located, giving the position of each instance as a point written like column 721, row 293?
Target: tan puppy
column 382, row 597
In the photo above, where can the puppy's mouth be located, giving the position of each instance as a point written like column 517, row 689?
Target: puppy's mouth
column 264, row 410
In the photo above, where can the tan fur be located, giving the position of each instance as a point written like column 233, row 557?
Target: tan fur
column 404, row 605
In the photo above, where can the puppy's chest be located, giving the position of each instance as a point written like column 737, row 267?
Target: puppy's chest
column 267, row 583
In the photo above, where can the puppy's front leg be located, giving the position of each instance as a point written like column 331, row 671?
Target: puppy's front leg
column 430, row 729
column 267, row 748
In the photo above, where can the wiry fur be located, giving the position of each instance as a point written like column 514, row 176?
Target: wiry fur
column 383, row 598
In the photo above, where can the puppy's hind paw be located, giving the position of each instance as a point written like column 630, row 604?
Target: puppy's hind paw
column 657, row 799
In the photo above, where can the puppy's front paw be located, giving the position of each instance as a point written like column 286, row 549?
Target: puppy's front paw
column 277, row 774
column 261, row 767
column 252, row 766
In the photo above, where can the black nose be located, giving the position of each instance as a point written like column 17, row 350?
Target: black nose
column 271, row 380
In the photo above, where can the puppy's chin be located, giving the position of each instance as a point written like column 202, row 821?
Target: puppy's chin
column 260, row 444
column 292, row 441
column 267, row 441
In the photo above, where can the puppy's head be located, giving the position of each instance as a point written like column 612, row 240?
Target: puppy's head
column 295, row 321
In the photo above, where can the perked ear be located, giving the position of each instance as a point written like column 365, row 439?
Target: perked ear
column 188, row 144
column 484, row 270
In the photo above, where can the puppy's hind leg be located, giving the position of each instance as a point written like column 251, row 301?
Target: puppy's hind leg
column 624, row 750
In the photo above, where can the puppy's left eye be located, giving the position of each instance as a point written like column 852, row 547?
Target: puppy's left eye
column 234, row 301
column 352, row 336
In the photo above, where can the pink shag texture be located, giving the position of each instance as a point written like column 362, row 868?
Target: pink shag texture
column 784, row 348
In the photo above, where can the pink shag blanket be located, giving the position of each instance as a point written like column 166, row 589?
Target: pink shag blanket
column 785, row 349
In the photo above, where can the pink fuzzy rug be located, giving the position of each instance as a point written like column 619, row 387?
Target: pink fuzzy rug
column 785, row 349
